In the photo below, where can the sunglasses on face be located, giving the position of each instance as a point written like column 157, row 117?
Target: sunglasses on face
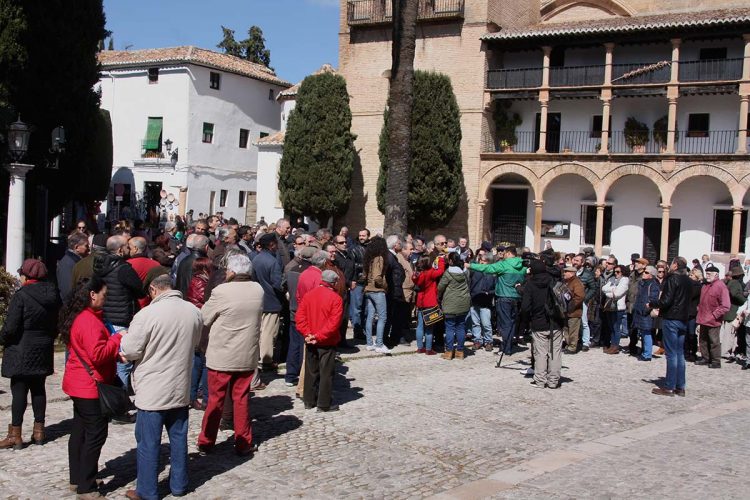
column 340, row 242
column 442, row 243
column 81, row 227
column 618, row 272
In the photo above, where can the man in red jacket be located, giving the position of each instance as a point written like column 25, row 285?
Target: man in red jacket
column 318, row 319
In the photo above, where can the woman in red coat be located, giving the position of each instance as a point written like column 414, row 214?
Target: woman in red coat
column 196, row 295
column 425, row 280
column 86, row 336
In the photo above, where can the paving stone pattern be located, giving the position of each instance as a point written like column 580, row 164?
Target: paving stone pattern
column 417, row 426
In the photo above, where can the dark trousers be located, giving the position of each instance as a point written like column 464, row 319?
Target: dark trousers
column 632, row 336
column 691, row 341
column 319, row 368
column 595, row 327
column 398, row 319
column 87, row 438
column 507, row 311
column 294, row 355
column 710, row 343
column 20, row 388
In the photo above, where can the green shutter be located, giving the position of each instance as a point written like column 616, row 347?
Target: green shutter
column 208, row 128
column 153, row 133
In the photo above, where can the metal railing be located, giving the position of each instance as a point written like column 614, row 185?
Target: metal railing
column 710, row 70
column 514, row 78
column 362, row 12
column 576, row 76
column 588, row 142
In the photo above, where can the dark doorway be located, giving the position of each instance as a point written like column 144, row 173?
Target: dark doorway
column 554, row 122
column 151, row 195
column 652, row 239
column 509, row 215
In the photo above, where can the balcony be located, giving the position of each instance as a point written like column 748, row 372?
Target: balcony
column 374, row 12
column 714, row 142
column 151, row 153
column 654, row 73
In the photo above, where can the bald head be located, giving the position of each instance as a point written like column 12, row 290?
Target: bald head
column 117, row 245
column 137, row 246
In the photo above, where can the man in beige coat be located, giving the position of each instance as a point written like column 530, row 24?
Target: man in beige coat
column 233, row 316
column 161, row 341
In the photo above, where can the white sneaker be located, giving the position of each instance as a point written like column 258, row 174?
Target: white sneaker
column 370, row 348
column 382, row 350
column 527, row 371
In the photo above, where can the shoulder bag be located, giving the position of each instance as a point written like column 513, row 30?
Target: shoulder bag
column 113, row 400
column 431, row 315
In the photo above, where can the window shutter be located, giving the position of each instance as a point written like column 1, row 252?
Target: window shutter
column 153, row 133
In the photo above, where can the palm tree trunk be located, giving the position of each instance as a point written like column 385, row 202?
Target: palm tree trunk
column 400, row 100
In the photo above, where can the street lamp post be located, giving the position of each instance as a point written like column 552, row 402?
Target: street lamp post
column 18, row 145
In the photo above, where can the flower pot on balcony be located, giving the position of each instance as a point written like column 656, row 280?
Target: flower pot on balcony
column 639, row 148
column 506, row 149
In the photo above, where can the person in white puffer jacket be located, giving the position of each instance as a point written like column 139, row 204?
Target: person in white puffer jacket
column 614, row 292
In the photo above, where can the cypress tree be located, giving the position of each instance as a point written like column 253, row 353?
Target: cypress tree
column 435, row 175
column 318, row 161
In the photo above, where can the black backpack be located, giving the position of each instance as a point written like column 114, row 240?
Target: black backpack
column 558, row 303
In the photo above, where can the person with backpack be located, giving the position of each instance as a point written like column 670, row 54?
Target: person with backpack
column 574, row 309
column 545, row 314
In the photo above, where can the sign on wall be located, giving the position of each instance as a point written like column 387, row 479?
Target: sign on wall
column 556, row 229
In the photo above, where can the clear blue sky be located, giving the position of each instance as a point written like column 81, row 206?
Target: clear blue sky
column 301, row 34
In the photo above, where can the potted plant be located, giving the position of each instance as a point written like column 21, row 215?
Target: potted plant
column 636, row 135
column 660, row 133
column 505, row 126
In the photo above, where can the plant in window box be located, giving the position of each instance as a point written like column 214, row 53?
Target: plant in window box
column 153, row 154
column 660, row 133
column 505, row 126
column 636, row 135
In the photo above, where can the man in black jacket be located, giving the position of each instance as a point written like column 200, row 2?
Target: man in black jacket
column 345, row 262
column 78, row 248
column 397, row 306
column 674, row 310
column 356, row 296
column 545, row 329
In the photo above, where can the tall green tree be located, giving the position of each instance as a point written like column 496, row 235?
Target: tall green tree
column 253, row 48
column 400, row 102
column 435, row 176
column 318, row 160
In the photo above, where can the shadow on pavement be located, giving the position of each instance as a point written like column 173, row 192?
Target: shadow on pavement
column 58, row 430
column 343, row 392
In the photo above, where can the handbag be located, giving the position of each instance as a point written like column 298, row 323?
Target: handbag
column 431, row 315
column 113, row 400
column 610, row 304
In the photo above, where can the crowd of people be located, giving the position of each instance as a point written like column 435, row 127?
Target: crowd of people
column 201, row 316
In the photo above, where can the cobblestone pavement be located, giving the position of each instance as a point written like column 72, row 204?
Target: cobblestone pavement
column 417, row 426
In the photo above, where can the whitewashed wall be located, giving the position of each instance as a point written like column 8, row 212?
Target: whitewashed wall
column 633, row 198
column 269, row 204
column 693, row 203
column 562, row 201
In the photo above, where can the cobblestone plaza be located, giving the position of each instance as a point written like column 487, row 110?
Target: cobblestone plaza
column 417, row 426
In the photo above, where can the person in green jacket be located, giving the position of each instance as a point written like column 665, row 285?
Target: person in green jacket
column 453, row 289
column 510, row 272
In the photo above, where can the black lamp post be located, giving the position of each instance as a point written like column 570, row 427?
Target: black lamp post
column 18, row 139
column 173, row 156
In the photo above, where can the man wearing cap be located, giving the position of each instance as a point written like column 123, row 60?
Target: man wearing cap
column 674, row 310
column 575, row 308
column 267, row 272
column 636, row 275
column 78, row 248
column 714, row 304
column 736, row 299
column 318, row 318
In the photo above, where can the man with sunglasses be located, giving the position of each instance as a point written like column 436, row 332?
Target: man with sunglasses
column 357, row 293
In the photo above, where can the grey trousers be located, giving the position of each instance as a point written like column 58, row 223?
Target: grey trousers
column 547, row 362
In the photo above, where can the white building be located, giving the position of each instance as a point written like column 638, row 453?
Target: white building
column 270, row 150
column 184, row 123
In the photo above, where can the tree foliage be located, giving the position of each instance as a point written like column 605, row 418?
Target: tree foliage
column 318, row 160
column 253, row 48
column 53, row 85
column 435, row 182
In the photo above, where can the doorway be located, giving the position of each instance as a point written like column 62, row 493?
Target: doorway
column 554, row 123
column 509, row 208
column 652, row 239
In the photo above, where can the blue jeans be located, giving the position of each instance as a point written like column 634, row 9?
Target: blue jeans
column 481, row 324
column 617, row 326
column 123, row 369
column 455, row 330
column 148, row 428
column 199, row 378
column 585, row 330
column 376, row 302
column 425, row 331
column 647, row 342
column 294, row 354
column 356, row 299
column 673, row 335
column 507, row 310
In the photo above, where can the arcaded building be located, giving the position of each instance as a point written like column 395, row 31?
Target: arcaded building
column 620, row 125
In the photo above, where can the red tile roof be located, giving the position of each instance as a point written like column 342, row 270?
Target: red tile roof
column 113, row 59
column 276, row 139
column 635, row 24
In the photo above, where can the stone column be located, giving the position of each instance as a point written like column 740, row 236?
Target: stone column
column 742, row 135
column 543, row 127
column 675, row 73
column 183, row 201
column 665, row 211
column 15, row 239
column 671, row 124
column 481, row 205
column 599, row 234
column 538, row 204
column 545, row 66
column 604, row 147
column 736, row 229
column 54, row 228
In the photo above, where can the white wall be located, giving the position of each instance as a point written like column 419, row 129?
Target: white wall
column 562, row 201
column 286, row 107
column 269, row 205
column 693, row 203
column 633, row 198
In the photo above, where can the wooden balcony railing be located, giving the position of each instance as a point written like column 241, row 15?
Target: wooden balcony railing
column 373, row 12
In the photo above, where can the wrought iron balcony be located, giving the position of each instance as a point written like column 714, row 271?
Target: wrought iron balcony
column 711, row 70
column 514, row 78
column 374, row 12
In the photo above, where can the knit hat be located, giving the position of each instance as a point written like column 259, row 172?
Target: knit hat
column 537, row 267
column 100, row 241
column 329, row 276
column 33, row 269
column 486, row 246
column 307, row 252
column 635, row 256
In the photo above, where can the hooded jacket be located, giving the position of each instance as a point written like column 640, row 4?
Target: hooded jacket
column 510, row 272
column 123, row 288
column 454, row 291
column 29, row 331
column 536, row 301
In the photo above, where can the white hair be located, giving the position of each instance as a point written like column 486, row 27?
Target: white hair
column 392, row 241
column 239, row 264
